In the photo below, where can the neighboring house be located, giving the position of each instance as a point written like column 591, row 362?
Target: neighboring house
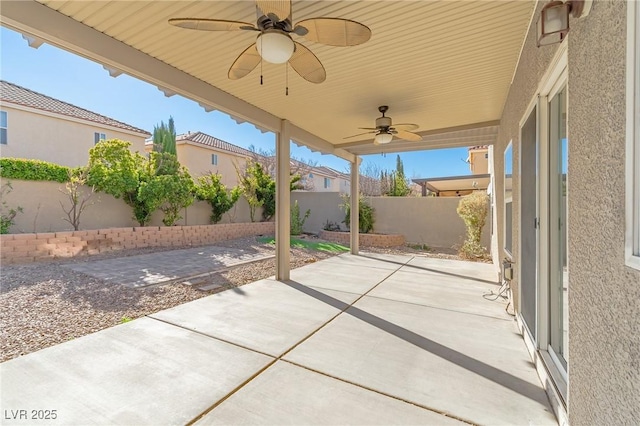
column 36, row 126
column 478, row 159
column 203, row 154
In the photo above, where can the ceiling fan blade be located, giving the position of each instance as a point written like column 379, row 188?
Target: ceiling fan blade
column 368, row 128
column 408, row 136
column 406, row 126
column 245, row 63
column 280, row 8
column 336, row 31
column 359, row 134
column 305, row 63
column 210, row 24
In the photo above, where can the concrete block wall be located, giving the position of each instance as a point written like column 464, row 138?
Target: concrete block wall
column 367, row 240
column 26, row 248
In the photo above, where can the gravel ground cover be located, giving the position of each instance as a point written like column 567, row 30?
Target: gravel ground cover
column 44, row 304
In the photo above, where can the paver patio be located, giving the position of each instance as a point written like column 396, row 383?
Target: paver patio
column 158, row 268
column 370, row 339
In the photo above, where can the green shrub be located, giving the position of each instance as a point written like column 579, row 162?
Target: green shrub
column 297, row 223
column 365, row 214
column 331, row 226
column 24, row 169
column 7, row 214
column 211, row 189
column 473, row 210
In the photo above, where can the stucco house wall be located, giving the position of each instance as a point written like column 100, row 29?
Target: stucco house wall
column 197, row 159
column 604, row 294
column 56, row 138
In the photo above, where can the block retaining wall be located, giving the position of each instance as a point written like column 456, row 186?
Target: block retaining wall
column 370, row 240
column 25, row 248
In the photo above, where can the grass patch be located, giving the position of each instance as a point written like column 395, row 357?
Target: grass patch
column 312, row 245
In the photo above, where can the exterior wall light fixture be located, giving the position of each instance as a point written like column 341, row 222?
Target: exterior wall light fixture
column 553, row 22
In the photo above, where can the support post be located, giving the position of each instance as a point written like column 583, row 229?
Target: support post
column 283, row 201
column 355, row 207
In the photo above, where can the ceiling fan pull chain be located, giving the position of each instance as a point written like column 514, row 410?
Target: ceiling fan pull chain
column 260, row 63
column 287, row 80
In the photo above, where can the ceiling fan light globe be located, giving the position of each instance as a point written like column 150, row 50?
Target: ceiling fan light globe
column 275, row 47
column 383, row 138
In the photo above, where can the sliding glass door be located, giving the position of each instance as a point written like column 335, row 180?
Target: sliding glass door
column 558, row 255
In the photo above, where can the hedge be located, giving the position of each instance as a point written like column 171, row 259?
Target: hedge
column 20, row 168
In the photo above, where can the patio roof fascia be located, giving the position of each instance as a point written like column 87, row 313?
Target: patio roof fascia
column 35, row 20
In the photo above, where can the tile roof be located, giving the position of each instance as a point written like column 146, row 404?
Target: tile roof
column 12, row 93
column 204, row 139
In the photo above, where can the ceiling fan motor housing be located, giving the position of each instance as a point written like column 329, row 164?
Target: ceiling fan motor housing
column 383, row 122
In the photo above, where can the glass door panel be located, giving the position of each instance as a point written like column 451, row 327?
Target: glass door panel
column 558, row 190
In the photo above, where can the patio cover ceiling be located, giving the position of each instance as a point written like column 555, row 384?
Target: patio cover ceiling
column 445, row 65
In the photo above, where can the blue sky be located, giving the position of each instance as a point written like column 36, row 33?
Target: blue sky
column 70, row 78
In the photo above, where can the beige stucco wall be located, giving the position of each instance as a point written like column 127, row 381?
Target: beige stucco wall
column 56, row 138
column 424, row 220
column 604, row 294
column 42, row 211
column 197, row 159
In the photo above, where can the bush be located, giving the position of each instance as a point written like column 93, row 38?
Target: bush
column 331, row 226
column 473, row 210
column 365, row 214
column 24, row 169
column 212, row 190
column 297, row 223
column 7, row 214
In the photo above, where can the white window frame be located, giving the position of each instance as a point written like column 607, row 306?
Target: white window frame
column 6, row 127
column 632, row 169
column 214, row 159
column 100, row 137
column 327, row 183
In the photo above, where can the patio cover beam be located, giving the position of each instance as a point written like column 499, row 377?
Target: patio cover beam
column 37, row 20
column 484, row 133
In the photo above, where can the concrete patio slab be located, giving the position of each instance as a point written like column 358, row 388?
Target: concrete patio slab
column 405, row 342
column 276, row 397
column 369, row 260
column 443, row 292
column 483, row 272
column 163, row 267
column 267, row 316
column 474, row 367
column 142, row 372
column 340, row 277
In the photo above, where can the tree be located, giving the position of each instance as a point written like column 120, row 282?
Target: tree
column 395, row 184
column 370, row 183
column 259, row 188
column 299, row 166
column 114, row 169
column 211, row 189
column 78, row 199
column 144, row 184
column 248, row 185
column 164, row 137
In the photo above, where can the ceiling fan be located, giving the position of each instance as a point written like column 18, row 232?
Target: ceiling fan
column 385, row 131
column 274, row 43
